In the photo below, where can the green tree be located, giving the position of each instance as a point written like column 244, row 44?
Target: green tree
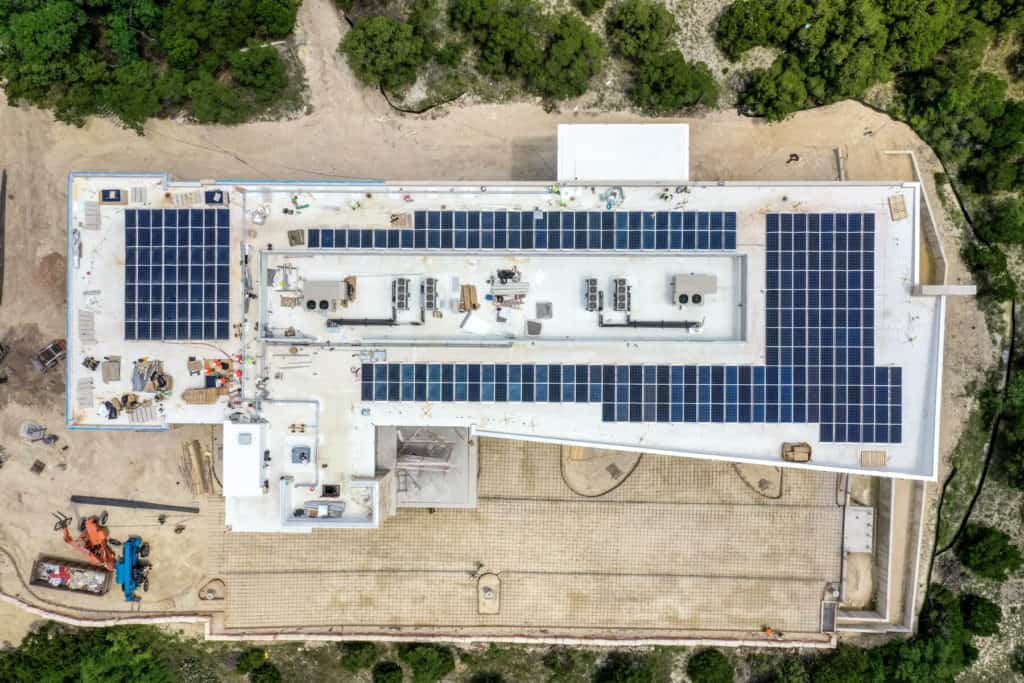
column 981, row 615
column 384, row 51
column 1017, row 659
column 589, row 7
column 627, row 667
column 791, row 670
column 251, row 659
column 131, row 96
column 262, row 71
column 847, row 665
column 387, row 672
column 776, row 92
column 265, row 673
column 991, row 272
column 357, row 655
column 667, row 83
column 638, row 29
column 214, row 102
column 574, row 55
column 710, row 666
column 429, row 663
column 988, row 552
column 275, row 18
column 1003, row 221
column 513, row 47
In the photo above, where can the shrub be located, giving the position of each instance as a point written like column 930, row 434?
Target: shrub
column 487, row 677
column 262, row 71
column 627, row 667
column 638, row 29
column 1017, row 659
column 988, row 552
column 214, row 102
column 574, row 55
column 387, row 672
column 265, row 673
column 384, row 51
column 357, row 656
column 1003, row 220
column 251, row 659
column 991, row 271
column 776, row 92
column 848, row 665
column 567, row 663
column 790, row 670
column 589, row 7
column 981, row 615
column 429, row 663
column 667, row 83
column 710, row 666
column 513, row 46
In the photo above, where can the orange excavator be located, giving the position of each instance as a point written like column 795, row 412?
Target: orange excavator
column 93, row 540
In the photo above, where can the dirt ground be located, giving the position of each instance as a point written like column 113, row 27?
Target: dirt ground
column 349, row 132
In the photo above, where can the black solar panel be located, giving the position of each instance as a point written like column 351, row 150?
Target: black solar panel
column 177, row 270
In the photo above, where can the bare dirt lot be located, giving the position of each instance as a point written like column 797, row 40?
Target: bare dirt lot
column 349, row 132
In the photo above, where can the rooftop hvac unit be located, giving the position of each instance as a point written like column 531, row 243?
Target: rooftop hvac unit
column 621, row 299
column 400, row 293
column 429, row 291
column 590, row 294
column 693, row 289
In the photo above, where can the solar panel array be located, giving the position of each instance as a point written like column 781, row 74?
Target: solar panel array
column 626, row 393
column 819, row 369
column 177, row 270
column 532, row 230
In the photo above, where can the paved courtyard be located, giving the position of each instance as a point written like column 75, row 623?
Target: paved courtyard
column 683, row 546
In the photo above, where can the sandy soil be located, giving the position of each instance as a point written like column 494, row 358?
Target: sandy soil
column 350, row 133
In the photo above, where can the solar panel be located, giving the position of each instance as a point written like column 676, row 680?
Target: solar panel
column 547, row 230
column 819, row 349
column 177, row 274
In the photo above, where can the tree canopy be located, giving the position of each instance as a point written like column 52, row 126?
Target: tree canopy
column 137, row 59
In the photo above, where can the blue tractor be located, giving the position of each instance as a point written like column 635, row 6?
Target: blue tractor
column 132, row 571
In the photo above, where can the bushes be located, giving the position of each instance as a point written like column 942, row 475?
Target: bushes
column 574, row 55
column 261, row 70
column 639, row 28
column 667, row 82
column 251, row 659
column 988, row 552
column 848, row 665
column 387, row 672
column 265, row 673
column 429, row 663
column 992, row 274
column 589, row 7
column 385, row 52
column 981, row 615
column 628, row 667
column 87, row 58
column 358, row 655
column 710, row 666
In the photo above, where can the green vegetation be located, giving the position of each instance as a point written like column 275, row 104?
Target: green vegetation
column 251, row 659
column 988, row 552
column 981, row 615
column 429, row 663
column 667, row 82
column 137, row 59
column 387, row 672
column 357, row 656
column 122, row 655
column 266, row 673
column 384, row 52
column 632, row 667
column 638, row 29
column 567, row 665
column 589, row 7
column 518, row 45
column 1017, row 659
column 710, row 666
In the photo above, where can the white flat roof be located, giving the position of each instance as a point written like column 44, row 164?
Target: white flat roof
column 243, row 460
column 631, row 152
column 289, row 356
